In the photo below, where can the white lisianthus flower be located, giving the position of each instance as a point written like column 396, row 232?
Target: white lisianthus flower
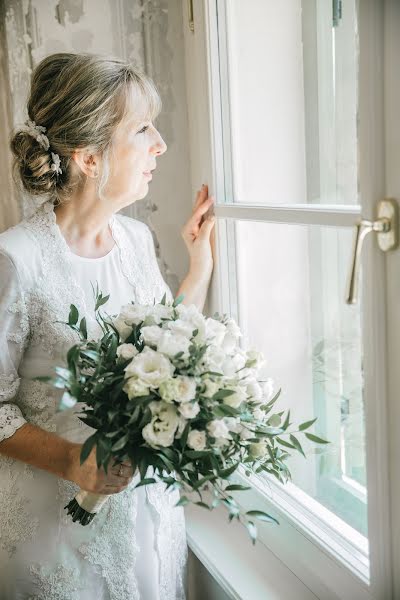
column 171, row 343
column 162, row 427
column 245, row 433
column 123, row 329
column 233, row 328
column 157, row 313
column 133, row 314
column 181, row 327
column 135, row 387
column 214, row 358
column 232, row 364
column 268, row 389
column 127, row 351
column 181, row 426
column 151, row 367
column 211, row 387
column 255, row 358
column 215, row 331
column 189, row 409
column 236, row 398
column 196, row 439
column 259, row 414
column 217, row 428
column 152, row 334
column 220, row 442
column 254, row 391
column 181, row 389
column 258, row 449
column 233, row 424
column 196, row 320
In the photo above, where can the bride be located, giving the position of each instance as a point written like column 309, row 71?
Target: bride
column 87, row 150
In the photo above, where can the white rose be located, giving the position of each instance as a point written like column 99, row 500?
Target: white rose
column 123, row 329
column 161, row 429
column 196, row 439
column 236, row 398
column 127, row 351
column 181, row 389
column 211, row 388
column 217, row 428
column 152, row 334
column 189, row 409
column 171, row 343
column 135, row 387
column 254, row 391
column 258, row 449
column 151, row 367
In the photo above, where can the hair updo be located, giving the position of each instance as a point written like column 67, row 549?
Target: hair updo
column 80, row 99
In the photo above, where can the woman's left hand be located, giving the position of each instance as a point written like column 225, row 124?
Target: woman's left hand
column 198, row 235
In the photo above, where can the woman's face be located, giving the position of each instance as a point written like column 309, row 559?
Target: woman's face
column 132, row 159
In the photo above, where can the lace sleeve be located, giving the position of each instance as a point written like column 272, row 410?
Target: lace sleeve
column 160, row 284
column 14, row 330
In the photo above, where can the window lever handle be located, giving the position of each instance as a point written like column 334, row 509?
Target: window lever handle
column 386, row 227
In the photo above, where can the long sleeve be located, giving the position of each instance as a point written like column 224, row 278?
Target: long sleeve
column 14, row 331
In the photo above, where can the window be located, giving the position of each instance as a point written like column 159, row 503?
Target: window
column 295, row 134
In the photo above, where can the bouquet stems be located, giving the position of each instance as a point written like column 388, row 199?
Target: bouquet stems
column 84, row 507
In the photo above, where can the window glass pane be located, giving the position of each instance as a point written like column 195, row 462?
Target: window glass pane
column 289, row 89
column 291, row 283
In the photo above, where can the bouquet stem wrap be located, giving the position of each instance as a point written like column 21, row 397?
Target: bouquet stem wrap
column 84, row 507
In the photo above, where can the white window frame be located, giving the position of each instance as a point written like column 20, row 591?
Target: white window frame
column 336, row 565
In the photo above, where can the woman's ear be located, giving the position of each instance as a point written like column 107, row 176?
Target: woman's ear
column 88, row 163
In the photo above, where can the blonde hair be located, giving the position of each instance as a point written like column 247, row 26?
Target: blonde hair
column 80, row 99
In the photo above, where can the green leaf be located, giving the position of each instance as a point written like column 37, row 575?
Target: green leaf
column 178, row 300
column 145, row 481
column 287, row 421
column 83, row 328
column 297, row 444
column 164, row 299
column 263, row 516
column 101, row 300
column 236, row 486
column 285, row 443
column 222, row 394
column 87, row 448
column 228, row 471
column 307, row 424
column 182, row 501
column 121, row 443
column 203, row 504
column 316, row 439
column 73, row 315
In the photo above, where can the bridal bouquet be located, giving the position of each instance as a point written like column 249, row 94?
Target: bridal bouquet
column 170, row 389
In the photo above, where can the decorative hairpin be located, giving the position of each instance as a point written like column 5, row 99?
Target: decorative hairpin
column 38, row 132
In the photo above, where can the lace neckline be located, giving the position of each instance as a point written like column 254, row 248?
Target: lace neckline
column 48, row 208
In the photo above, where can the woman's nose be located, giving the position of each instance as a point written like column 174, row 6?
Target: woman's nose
column 160, row 146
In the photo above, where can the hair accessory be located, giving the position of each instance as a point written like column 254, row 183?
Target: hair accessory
column 37, row 132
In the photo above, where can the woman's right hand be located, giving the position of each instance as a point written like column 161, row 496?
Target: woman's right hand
column 92, row 479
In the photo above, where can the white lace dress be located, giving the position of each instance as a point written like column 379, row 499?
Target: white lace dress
column 135, row 549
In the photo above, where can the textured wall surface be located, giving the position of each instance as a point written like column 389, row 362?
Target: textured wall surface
column 148, row 33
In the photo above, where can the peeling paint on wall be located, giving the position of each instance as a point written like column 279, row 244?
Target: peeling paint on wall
column 136, row 30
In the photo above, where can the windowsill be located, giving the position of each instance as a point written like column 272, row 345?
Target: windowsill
column 244, row 571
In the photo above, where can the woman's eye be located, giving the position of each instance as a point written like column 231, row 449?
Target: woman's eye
column 143, row 129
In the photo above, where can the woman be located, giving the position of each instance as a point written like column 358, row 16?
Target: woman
column 88, row 149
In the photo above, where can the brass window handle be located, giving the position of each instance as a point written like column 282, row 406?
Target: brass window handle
column 386, row 226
